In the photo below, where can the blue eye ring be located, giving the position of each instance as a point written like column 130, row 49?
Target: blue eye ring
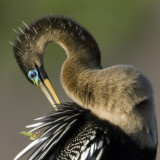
column 33, row 76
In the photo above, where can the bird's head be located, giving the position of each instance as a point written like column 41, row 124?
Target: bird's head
column 29, row 55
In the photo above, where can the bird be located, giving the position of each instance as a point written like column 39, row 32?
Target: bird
column 112, row 116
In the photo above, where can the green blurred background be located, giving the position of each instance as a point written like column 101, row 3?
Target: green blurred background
column 128, row 32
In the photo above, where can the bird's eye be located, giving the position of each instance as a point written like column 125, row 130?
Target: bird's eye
column 33, row 76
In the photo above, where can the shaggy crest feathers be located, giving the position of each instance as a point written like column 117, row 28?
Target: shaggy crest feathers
column 64, row 31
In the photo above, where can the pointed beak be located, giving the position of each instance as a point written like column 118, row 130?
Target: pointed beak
column 47, row 88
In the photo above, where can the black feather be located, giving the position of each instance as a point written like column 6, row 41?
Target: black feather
column 73, row 133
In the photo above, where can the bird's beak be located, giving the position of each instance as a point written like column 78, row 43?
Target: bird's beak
column 47, row 88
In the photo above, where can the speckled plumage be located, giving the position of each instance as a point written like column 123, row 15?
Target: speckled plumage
column 73, row 133
column 120, row 95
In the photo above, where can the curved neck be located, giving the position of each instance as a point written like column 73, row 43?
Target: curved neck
column 76, row 41
column 82, row 51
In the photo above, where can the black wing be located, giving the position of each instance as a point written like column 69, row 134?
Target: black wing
column 89, row 144
column 67, row 135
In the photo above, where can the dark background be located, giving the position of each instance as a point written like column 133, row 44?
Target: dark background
column 128, row 32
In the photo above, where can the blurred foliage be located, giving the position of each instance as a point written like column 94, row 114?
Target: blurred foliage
column 111, row 22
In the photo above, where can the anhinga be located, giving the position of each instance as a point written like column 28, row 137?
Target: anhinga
column 113, row 114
